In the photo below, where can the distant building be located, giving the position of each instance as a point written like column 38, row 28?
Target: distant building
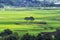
column 57, row 4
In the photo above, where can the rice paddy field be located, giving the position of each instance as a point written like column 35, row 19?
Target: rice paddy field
column 8, row 20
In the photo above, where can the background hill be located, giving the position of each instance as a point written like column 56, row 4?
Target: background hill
column 27, row 3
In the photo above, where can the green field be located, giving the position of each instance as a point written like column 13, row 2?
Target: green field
column 9, row 18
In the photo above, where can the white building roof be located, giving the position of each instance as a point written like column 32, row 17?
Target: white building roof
column 57, row 3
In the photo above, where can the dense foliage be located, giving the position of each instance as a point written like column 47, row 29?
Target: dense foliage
column 9, row 35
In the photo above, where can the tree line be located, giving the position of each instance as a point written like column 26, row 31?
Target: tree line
column 10, row 35
column 28, row 3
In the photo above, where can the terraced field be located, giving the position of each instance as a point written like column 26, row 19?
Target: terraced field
column 8, row 20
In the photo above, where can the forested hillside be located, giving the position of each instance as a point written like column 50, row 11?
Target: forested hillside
column 26, row 3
